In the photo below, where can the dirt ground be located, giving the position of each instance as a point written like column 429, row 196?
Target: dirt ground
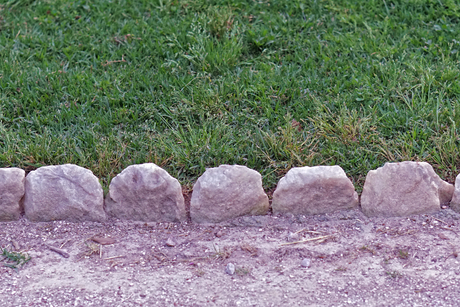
column 341, row 259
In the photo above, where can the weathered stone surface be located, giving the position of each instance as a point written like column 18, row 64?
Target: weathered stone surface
column 11, row 192
column 145, row 192
column 314, row 190
column 63, row 192
column 402, row 189
column 455, row 203
column 227, row 192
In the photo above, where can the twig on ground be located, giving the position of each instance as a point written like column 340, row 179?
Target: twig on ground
column 440, row 220
column 112, row 62
column 306, row 240
column 62, row 245
column 114, row 257
column 59, row 251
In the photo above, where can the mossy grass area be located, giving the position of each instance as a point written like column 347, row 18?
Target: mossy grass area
column 195, row 84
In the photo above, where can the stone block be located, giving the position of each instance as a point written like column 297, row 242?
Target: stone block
column 11, row 193
column 63, row 192
column 145, row 192
column 314, row 190
column 402, row 189
column 226, row 192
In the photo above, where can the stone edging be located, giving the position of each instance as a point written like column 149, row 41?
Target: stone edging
column 146, row 192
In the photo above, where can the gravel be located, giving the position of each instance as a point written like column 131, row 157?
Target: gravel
column 410, row 261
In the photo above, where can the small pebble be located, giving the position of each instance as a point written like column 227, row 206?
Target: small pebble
column 230, row 269
column 219, row 233
column 170, row 242
column 306, row 262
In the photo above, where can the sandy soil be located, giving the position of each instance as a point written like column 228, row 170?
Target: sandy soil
column 354, row 261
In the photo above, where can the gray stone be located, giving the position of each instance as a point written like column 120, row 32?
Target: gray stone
column 227, row 192
column 455, row 203
column 314, row 190
column 11, row 193
column 402, row 189
column 306, row 262
column 145, row 192
column 230, row 269
column 63, row 192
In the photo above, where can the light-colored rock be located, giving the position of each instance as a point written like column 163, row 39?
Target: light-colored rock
column 314, row 190
column 145, row 192
column 230, row 269
column 306, row 263
column 11, row 193
column 402, row 189
column 170, row 242
column 455, row 203
column 63, row 192
column 227, row 192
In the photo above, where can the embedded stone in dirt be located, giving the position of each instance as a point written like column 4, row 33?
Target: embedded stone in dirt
column 455, row 203
column 11, row 192
column 230, row 269
column 170, row 242
column 314, row 190
column 306, row 262
column 63, row 192
column 227, row 192
column 402, row 189
column 147, row 193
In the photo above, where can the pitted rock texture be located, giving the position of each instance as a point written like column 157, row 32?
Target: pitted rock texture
column 227, row 192
column 455, row 203
column 402, row 189
column 145, row 192
column 11, row 193
column 314, row 190
column 63, row 192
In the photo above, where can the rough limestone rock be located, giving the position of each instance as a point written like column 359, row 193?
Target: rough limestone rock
column 11, row 193
column 227, row 192
column 455, row 203
column 145, row 192
column 63, row 192
column 402, row 189
column 314, row 190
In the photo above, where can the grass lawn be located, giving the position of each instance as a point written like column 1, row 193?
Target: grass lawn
column 191, row 84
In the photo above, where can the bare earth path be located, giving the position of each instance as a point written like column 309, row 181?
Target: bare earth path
column 354, row 261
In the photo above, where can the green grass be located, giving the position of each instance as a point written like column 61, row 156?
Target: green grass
column 14, row 260
column 191, row 84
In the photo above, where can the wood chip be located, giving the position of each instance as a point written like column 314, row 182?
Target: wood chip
column 59, row 251
column 103, row 241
